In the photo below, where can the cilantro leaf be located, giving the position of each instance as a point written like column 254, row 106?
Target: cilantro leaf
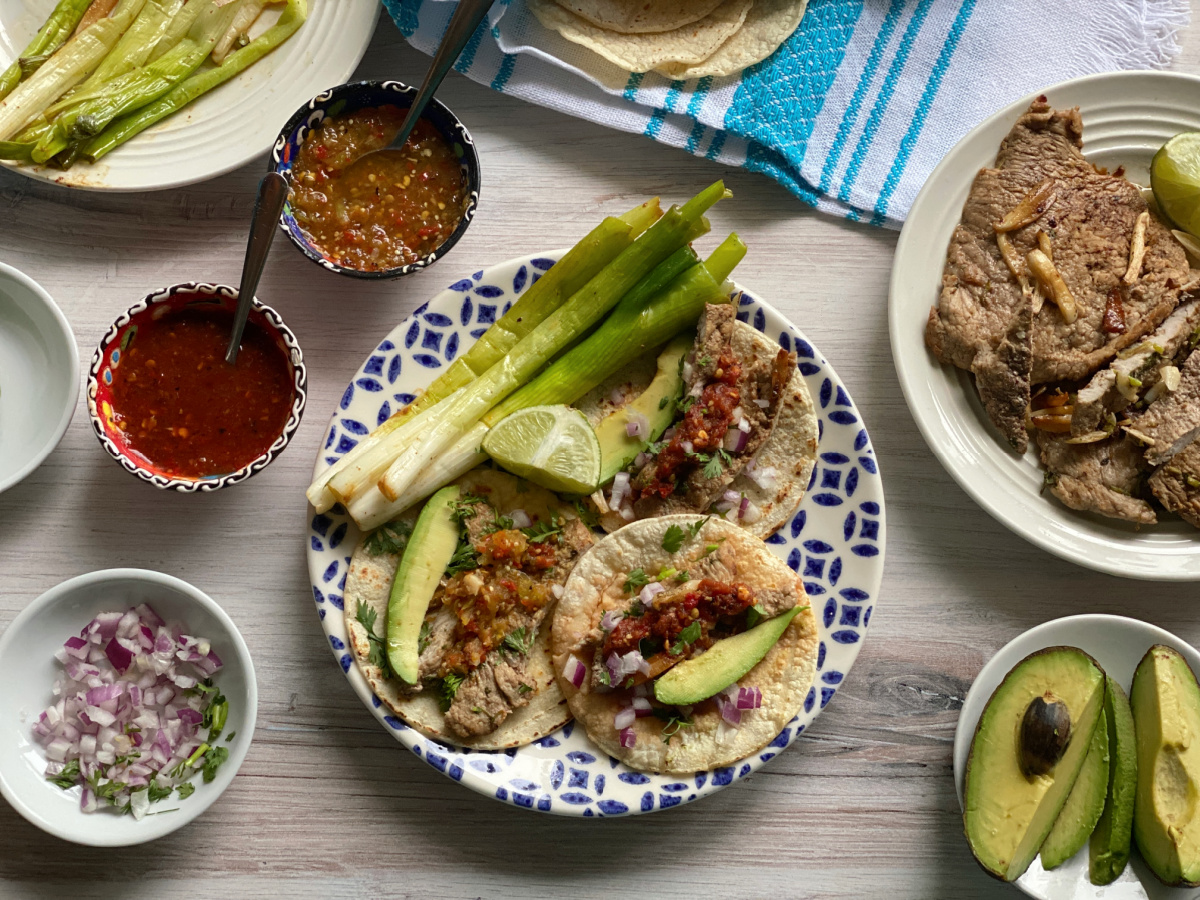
column 694, row 528
column 389, row 538
column 662, row 404
column 67, row 778
column 464, row 507
column 185, row 790
column 523, row 689
column 519, row 641
column 586, row 514
column 158, row 791
column 637, row 579
column 636, row 610
column 448, row 689
column 655, row 447
column 716, row 463
column 377, row 654
column 689, row 635
column 675, row 722
column 539, row 532
column 213, row 760
column 672, row 539
column 464, row 558
column 704, row 360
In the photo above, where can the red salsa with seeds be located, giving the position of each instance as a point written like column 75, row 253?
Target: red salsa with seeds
column 390, row 211
column 188, row 412
column 717, row 608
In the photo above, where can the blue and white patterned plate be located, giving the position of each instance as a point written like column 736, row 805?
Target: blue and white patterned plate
column 835, row 541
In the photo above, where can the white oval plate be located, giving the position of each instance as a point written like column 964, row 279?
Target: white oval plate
column 1118, row 644
column 227, row 127
column 1127, row 116
column 835, row 541
column 39, row 375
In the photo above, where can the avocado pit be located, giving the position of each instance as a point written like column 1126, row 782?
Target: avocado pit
column 1045, row 732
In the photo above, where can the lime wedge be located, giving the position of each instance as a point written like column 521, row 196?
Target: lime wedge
column 1175, row 178
column 553, row 446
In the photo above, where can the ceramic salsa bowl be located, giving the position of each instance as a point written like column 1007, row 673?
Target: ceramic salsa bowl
column 123, row 333
column 359, row 95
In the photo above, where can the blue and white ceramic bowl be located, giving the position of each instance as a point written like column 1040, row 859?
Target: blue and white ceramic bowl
column 835, row 541
column 359, row 95
column 124, row 331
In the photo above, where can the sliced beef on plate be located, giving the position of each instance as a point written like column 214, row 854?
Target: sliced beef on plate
column 1089, row 218
column 1172, row 422
column 489, row 695
column 1177, row 484
column 441, row 636
column 1102, row 477
column 1111, row 390
column 1002, row 377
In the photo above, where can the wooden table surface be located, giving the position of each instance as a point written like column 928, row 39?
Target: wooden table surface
column 327, row 804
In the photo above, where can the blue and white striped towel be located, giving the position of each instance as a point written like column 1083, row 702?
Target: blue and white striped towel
column 853, row 112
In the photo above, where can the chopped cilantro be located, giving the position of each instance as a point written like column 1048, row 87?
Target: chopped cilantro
column 675, row 722
column 216, row 714
column 389, row 538
column 636, row 610
column 646, row 648
column 672, row 539
column 523, row 688
column 464, row 507
column 498, row 523
column 540, row 532
column 709, row 548
column 106, row 791
column 377, row 654
column 694, row 528
column 603, row 674
column 754, row 615
column 185, row 790
column 449, row 688
column 637, row 579
column 686, row 403
column 519, row 641
column 213, row 760
column 229, row 737
column 586, row 514
column 423, row 636
column 159, row 791
column 704, row 360
column 655, row 447
column 464, row 558
column 716, row 463
column 689, row 635
column 662, row 404
column 67, row 778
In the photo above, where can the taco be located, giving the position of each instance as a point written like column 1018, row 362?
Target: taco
column 484, row 677
column 742, row 443
column 664, row 594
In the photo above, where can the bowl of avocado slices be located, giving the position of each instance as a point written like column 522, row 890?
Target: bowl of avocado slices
column 1077, row 761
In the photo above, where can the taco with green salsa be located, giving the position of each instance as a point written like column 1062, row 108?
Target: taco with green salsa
column 484, row 678
column 682, row 643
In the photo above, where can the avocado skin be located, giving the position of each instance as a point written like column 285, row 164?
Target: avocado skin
column 1168, row 759
column 1109, row 847
column 1084, row 806
column 617, row 449
column 992, row 767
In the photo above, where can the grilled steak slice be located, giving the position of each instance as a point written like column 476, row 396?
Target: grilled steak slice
column 1102, row 394
column 1172, row 421
column 1177, row 484
column 1089, row 218
column 1102, row 478
column 1002, row 377
column 441, row 636
column 489, row 695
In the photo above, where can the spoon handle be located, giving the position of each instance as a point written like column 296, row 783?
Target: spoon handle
column 272, row 192
column 466, row 18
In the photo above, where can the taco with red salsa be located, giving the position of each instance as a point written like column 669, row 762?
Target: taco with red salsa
column 484, row 678
column 682, row 643
column 742, row 441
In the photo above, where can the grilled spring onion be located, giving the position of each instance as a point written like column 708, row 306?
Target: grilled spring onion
column 133, row 124
column 50, row 37
column 140, row 86
column 556, row 333
column 238, row 29
column 361, row 468
column 65, row 69
column 625, row 334
column 133, row 49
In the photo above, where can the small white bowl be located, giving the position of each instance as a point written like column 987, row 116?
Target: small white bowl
column 39, row 380
column 1118, row 644
column 28, row 669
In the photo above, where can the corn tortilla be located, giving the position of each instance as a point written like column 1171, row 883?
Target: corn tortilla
column 640, row 16
column 768, row 25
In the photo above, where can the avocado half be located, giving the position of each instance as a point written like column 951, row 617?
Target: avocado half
column 1007, row 814
column 1165, row 700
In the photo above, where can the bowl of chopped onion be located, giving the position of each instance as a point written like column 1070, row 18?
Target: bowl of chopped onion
column 130, row 704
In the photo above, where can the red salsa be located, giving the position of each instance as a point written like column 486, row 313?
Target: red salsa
column 187, row 411
column 716, row 609
column 389, row 211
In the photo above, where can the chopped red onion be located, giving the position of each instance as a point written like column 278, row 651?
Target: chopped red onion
column 763, row 476
column 642, row 707
column 520, row 518
column 610, row 619
column 735, row 440
column 557, row 591
column 621, row 667
column 743, row 424
column 669, row 433
column 687, row 371
column 638, row 426
column 650, row 591
column 729, row 711
column 624, row 718
column 626, row 513
column 124, row 694
column 620, row 490
column 748, row 512
column 761, row 403
column 627, row 737
column 574, row 671
column 749, row 698
column 697, row 390
column 617, row 396
column 641, row 459
column 687, row 447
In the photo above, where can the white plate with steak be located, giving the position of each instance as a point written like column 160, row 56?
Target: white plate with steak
column 1035, row 305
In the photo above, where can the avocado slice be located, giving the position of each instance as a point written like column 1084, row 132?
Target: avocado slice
column 1165, row 700
column 432, row 543
column 1007, row 814
column 721, row 664
column 657, row 403
column 1109, row 850
column 1084, row 804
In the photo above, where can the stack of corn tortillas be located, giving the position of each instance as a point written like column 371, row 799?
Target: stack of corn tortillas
column 679, row 38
